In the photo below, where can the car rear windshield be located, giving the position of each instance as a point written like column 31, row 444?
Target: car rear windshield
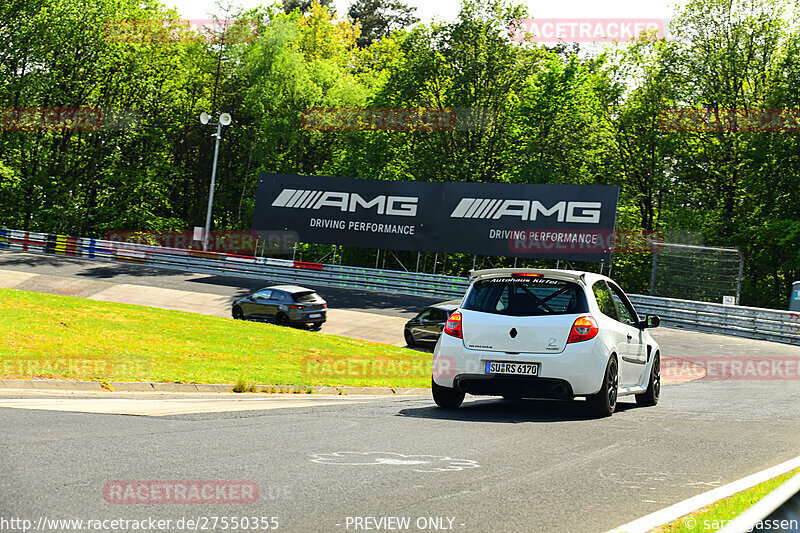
column 306, row 297
column 526, row 297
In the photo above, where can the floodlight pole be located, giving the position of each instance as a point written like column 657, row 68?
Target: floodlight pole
column 211, row 190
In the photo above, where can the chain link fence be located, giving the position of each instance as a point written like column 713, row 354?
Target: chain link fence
column 700, row 273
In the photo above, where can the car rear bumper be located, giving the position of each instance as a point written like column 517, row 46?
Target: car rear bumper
column 305, row 319
column 580, row 369
column 517, row 386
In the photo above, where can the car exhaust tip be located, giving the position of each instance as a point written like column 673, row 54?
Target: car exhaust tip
column 462, row 385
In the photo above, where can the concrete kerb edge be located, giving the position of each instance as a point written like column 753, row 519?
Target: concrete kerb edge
column 125, row 386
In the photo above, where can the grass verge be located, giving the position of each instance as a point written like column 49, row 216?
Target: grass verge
column 62, row 337
column 715, row 516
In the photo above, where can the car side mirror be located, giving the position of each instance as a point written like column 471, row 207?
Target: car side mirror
column 650, row 321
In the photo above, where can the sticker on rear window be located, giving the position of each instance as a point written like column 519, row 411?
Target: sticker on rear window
column 532, row 281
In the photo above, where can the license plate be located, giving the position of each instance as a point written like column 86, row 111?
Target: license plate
column 315, row 315
column 523, row 369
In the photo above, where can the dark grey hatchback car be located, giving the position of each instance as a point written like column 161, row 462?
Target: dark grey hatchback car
column 427, row 326
column 283, row 304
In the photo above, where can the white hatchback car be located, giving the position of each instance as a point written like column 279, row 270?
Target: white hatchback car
column 535, row 333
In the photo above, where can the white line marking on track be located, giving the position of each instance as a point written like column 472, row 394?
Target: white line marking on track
column 435, row 463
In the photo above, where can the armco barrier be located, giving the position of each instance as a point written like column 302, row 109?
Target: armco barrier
column 740, row 321
column 777, row 511
column 750, row 322
column 279, row 270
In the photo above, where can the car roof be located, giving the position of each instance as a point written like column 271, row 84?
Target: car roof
column 578, row 276
column 288, row 288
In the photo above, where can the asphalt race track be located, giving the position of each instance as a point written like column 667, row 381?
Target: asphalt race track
column 98, row 273
column 490, row 466
column 327, row 463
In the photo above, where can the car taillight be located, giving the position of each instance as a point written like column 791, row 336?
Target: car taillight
column 297, row 306
column 453, row 325
column 324, row 304
column 583, row 329
column 526, row 275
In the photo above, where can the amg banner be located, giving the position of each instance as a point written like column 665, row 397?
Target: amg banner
column 573, row 222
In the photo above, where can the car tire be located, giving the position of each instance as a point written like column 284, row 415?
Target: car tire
column 282, row 320
column 649, row 398
column 446, row 397
column 409, row 338
column 605, row 401
column 238, row 314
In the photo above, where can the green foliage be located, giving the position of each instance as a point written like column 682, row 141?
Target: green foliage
column 177, row 347
column 525, row 114
column 242, row 385
column 380, row 18
column 303, row 5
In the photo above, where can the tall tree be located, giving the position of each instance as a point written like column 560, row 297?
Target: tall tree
column 725, row 53
column 731, row 59
column 305, row 5
column 380, row 18
column 470, row 68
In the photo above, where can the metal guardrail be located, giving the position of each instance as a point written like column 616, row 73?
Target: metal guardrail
column 278, row 270
column 777, row 511
column 740, row 321
column 750, row 322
